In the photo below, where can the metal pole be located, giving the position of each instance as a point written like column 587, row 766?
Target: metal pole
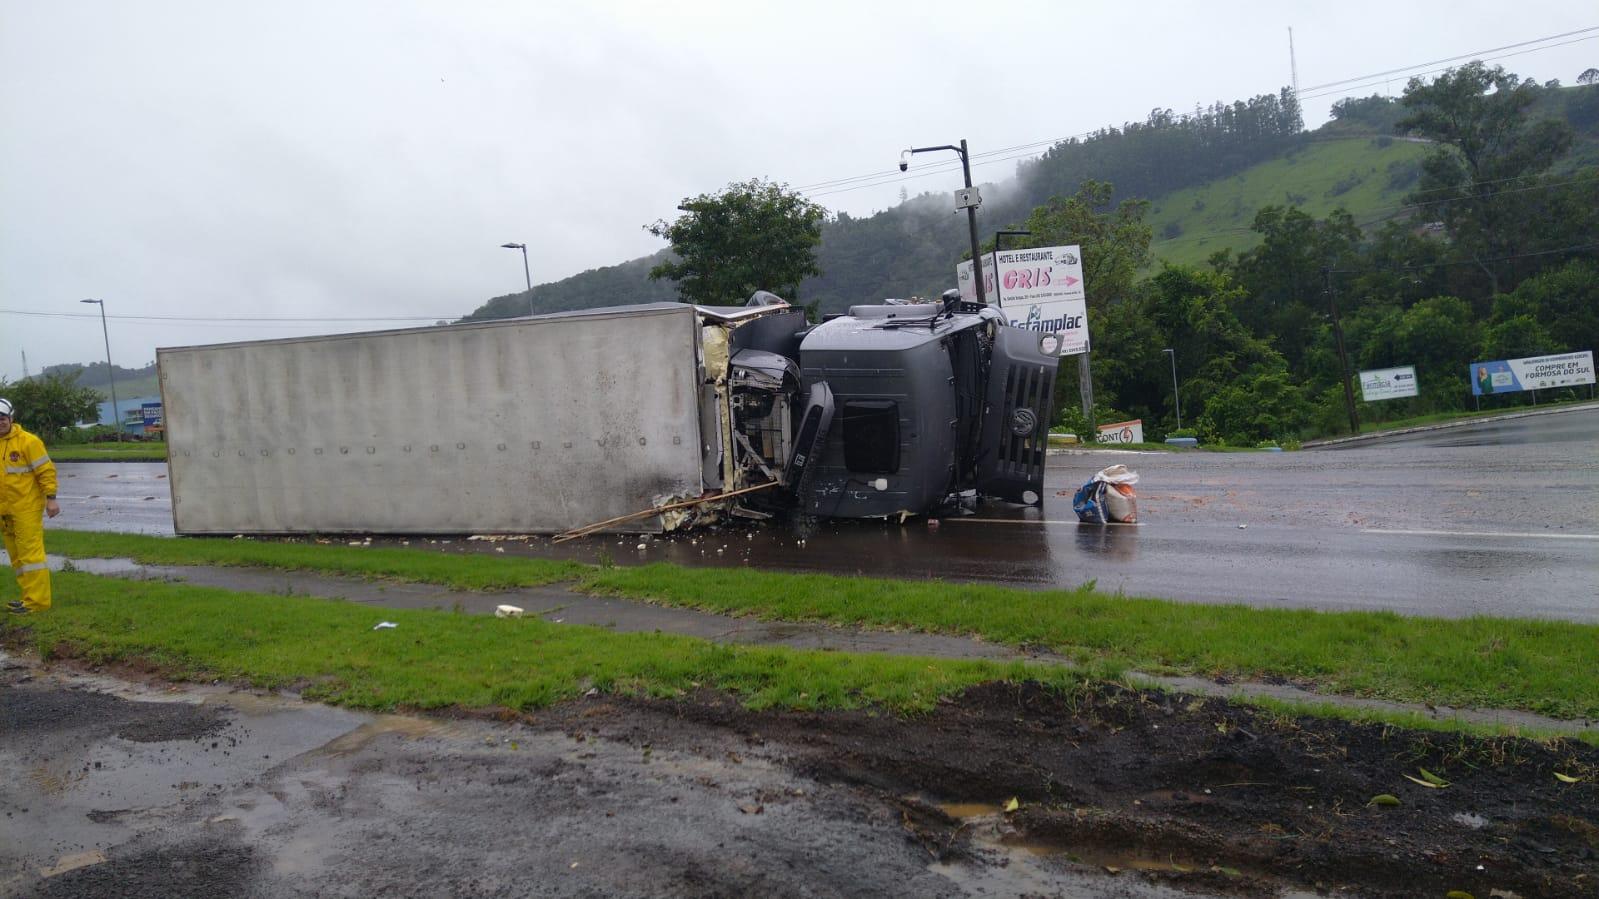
column 971, row 224
column 110, row 370
column 1176, row 398
column 971, row 211
column 1343, row 358
column 528, row 274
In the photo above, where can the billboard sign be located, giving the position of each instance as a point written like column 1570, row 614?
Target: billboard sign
column 1388, row 383
column 968, row 285
column 1534, row 373
column 1041, row 289
column 150, row 413
column 1122, row 432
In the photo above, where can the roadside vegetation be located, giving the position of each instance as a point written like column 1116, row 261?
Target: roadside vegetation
column 128, row 451
column 328, row 650
column 1538, row 666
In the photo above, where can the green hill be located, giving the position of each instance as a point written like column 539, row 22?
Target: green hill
column 1368, row 176
column 1206, row 174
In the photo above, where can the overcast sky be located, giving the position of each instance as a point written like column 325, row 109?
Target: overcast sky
column 366, row 158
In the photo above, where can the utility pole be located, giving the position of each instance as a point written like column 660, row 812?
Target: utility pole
column 110, row 370
column 968, row 200
column 526, row 272
column 1343, row 357
column 25, row 374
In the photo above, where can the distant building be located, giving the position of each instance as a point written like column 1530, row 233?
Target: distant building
column 132, row 413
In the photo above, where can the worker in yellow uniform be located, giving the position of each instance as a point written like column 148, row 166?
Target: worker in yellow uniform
column 27, row 494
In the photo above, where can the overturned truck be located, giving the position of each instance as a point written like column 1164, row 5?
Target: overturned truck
column 638, row 418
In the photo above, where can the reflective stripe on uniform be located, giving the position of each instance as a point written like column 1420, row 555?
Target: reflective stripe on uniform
column 36, row 566
column 35, row 465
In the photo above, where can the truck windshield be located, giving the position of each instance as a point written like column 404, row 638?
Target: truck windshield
column 871, row 436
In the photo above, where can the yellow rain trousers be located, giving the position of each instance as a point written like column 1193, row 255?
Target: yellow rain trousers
column 26, row 478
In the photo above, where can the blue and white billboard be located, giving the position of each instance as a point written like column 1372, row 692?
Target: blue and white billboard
column 1535, row 373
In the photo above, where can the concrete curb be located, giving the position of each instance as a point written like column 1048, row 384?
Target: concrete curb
column 1444, row 426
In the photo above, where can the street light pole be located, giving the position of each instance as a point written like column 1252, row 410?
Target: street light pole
column 971, row 207
column 110, row 370
column 1177, row 400
column 526, row 272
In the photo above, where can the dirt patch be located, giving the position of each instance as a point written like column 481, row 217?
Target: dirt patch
column 1199, row 793
column 199, row 870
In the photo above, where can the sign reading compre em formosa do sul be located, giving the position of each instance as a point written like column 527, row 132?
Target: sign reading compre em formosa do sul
column 1534, row 373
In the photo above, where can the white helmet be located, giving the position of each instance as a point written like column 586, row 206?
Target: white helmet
column 5, row 408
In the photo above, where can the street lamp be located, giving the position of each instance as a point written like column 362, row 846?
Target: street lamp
column 969, row 201
column 1176, row 399
column 526, row 273
column 110, row 370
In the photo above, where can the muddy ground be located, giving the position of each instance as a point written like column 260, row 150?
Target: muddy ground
column 129, row 788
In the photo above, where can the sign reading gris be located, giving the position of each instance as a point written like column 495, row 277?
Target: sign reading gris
column 1534, row 373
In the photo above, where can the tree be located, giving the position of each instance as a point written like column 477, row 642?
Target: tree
column 753, row 235
column 49, row 404
column 1115, row 243
column 1282, row 280
column 1479, row 179
column 1588, row 76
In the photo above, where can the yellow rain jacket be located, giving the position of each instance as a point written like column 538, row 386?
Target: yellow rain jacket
column 28, row 478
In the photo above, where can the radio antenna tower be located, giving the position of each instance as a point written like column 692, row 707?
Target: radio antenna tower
column 1293, row 64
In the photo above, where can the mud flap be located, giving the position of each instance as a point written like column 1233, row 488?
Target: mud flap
column 809, row 441
column 1021, row 387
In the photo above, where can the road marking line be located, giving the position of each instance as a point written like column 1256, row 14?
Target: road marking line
column 1026, row 521
column 1507, row 534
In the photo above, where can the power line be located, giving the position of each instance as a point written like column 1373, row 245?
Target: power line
column 890, row 176
column 1475, row 53
column 1449, row 262
column 1378, row 81
column 243, row 319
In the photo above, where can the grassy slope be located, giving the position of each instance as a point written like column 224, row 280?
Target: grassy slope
column 1217, row 215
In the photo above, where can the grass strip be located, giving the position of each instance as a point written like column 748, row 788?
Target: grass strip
column 108, row 452
column 471, row 572
column 1534, row 665
column 1370, row 427
column 329, row 650
column 1539, row 666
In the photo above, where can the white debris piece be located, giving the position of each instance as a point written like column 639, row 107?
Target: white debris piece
column 508, row 611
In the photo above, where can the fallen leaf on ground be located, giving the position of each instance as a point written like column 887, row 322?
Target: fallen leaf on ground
column 1432, row 778
column 1566, row 778
column 1384, row 799
column 1013, row 804
column 1417, row 780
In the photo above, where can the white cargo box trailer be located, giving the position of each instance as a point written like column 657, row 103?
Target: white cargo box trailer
column 532, row 425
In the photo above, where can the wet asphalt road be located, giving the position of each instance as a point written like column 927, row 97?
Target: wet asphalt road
column 1499, row 518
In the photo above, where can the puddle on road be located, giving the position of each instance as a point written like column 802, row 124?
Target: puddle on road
column 108, row 567
column 401, row 725
column 1023, row 864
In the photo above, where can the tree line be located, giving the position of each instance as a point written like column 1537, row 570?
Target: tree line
column 1492, row 256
